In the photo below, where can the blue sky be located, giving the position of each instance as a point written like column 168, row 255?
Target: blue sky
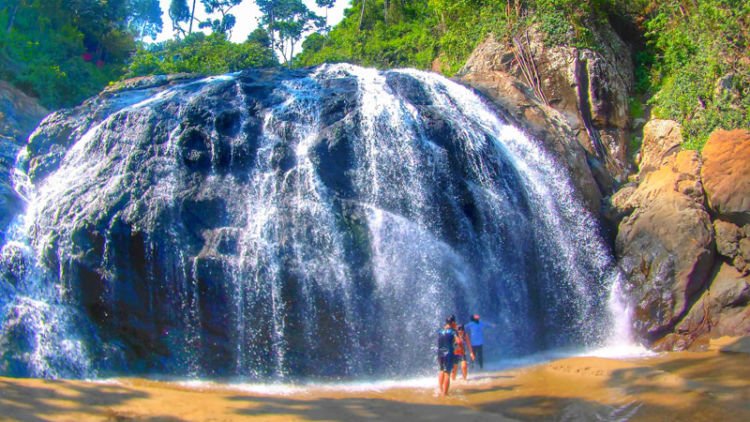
column 247, row 17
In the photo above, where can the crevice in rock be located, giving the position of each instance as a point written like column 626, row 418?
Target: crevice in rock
column 582, row 78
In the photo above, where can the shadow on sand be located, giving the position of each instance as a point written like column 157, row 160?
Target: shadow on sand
column 58, row 400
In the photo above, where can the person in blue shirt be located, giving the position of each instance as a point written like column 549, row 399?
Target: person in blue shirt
column 445, row 341
column 475, row 328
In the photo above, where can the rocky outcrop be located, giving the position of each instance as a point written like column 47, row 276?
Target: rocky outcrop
column 665, row 246
column 564, row 95
column 680, row 243
column 662, row 139
column 19, row 115
column 522, row 108
column 733, row 243
column 721, row 310
column 726, row 175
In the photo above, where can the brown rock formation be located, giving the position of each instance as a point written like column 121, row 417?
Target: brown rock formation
column 587, row 89
column 661, row 141
column 665, row 246
column 733, row 243
column 721, row 310
column 521, row 107
column 687, row 275
column 726, row 175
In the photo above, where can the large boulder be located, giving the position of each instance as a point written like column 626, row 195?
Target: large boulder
column 589, row 90
column 661, row 142
column 19, row 115
column 204, row 226
column 722, row 310
column 684, row 240
column 666, row 245
column 726, row 175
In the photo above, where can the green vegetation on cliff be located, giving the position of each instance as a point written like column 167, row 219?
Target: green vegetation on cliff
column 691, row 55
column 699, row 65
column 386, row 33
column 65, row 50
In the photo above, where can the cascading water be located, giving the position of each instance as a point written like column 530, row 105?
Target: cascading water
column 283, row 225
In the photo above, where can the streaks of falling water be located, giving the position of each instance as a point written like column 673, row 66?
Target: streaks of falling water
column 354, row 235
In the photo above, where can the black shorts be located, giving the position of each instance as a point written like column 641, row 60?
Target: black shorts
column 459, row 358
column 445, row 362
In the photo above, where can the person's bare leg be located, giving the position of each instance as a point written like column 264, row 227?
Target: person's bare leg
column 441, row 375
column 464, row 369
column 454, row 372
column 446, row 383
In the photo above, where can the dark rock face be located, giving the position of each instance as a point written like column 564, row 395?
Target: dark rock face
column 285, row 224
column 19, row 115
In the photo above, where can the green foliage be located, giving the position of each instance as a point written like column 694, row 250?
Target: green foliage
column 684, row 48
column 179, row 13
column 286, row 21
column 701, row 73
column 404, row 38
column 200, row 53
column 145, row 18
column 64, row 51
column 226, row 21
column 413, row 33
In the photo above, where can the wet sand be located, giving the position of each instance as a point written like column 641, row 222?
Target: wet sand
column 682, row 386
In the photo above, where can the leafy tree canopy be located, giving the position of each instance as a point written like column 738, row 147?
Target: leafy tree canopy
column 201, row 53
column 65, row 50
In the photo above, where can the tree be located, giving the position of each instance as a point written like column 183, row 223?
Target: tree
column 260, row 36
column 65, row 50
column 12, row 7
column 200, row 53
column 145, row 18
column 227, row 21
column 325, row 4
column 286, row 22
column 179, row 12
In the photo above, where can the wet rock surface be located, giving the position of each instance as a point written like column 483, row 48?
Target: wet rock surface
column 19, row 115
column 238, row 225
column 665, row 246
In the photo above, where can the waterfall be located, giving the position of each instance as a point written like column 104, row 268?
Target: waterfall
column 278, row 225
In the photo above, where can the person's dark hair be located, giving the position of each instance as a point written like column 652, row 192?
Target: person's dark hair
column 461, row 327
column 474, row 318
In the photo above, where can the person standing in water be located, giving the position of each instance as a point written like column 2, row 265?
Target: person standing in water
column 462, row 343
column 446, row 339
column 475, row 328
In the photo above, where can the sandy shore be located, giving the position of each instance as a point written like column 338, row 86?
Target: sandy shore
column 683, row 386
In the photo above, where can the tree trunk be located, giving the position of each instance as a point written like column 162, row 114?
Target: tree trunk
column 362, row 15
column 192, row 16
column 386, row 5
